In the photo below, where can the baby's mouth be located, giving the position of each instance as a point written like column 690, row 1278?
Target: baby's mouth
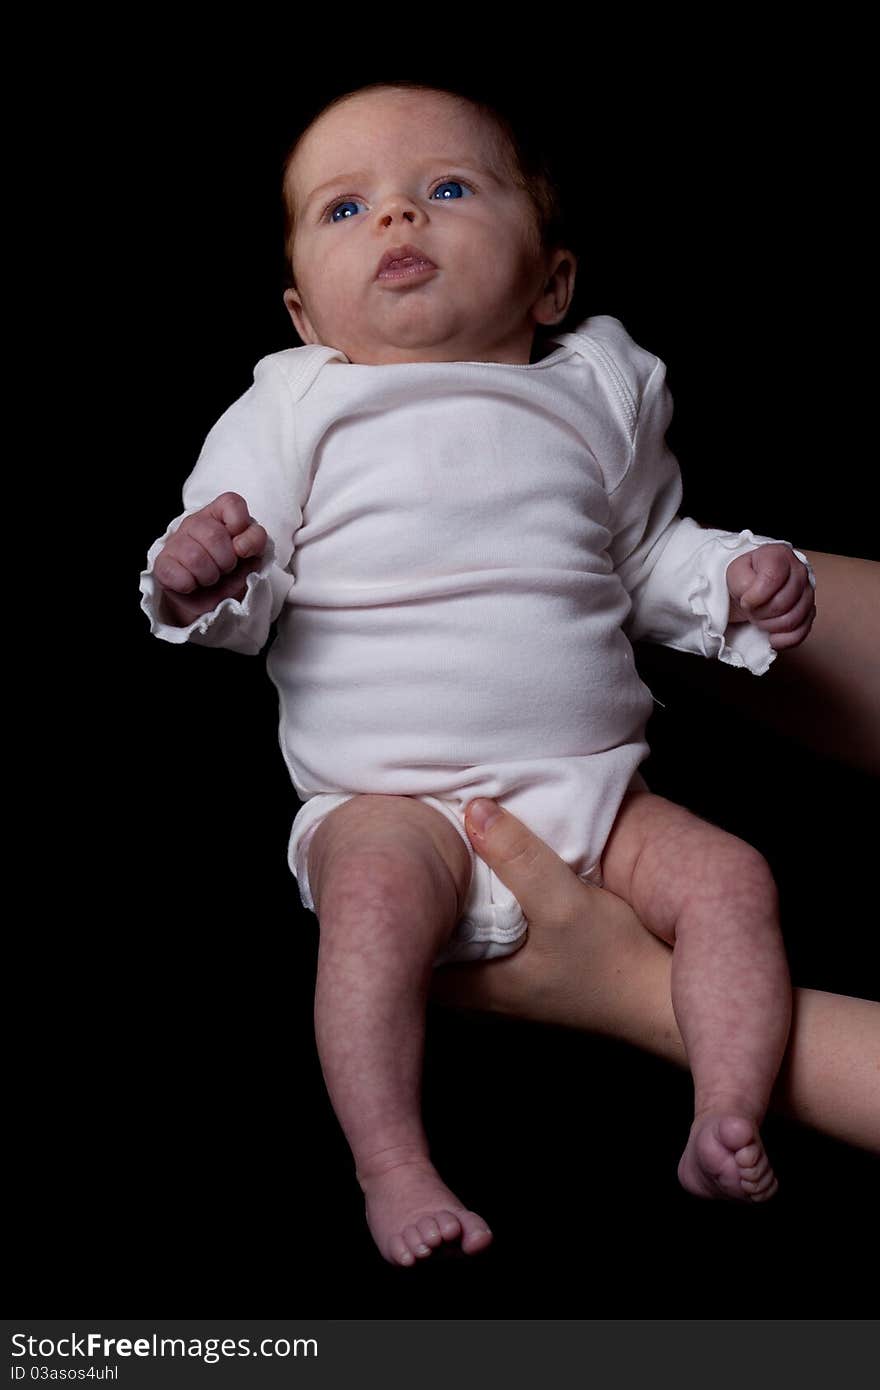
column 402, row 262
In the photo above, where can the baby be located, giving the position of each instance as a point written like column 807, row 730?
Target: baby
column 460, row 536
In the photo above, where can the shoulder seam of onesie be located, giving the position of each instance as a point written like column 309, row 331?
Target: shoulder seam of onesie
column 659, row 367
column 299, row 366
column 591, row 346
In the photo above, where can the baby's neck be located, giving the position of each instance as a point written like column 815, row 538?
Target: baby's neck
column 541, row 348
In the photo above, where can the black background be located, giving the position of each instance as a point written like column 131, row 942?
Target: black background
column 174, row 1149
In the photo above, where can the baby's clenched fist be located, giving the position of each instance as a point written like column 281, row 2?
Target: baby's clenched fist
column 209, row 558
column 770, row 588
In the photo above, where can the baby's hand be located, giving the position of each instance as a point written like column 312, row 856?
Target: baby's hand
column 770, row 587
column 221, row 540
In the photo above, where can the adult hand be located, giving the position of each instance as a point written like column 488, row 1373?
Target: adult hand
column 588, row 961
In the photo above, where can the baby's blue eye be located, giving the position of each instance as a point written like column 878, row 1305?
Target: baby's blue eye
column 349, row 202
column 451, row 183
column 448, row 196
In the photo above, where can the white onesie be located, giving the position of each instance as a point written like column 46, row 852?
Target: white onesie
column 460, row 554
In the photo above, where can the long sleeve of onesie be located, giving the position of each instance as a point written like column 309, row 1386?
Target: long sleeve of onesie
column 673, row 569
column 250, row 450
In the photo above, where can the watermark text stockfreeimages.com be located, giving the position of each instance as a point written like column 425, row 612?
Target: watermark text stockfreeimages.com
column 92, row 1345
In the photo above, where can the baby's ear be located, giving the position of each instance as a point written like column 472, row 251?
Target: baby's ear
column 554, row 302
column 294, row 307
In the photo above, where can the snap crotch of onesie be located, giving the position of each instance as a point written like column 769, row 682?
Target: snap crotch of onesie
column 492, row 923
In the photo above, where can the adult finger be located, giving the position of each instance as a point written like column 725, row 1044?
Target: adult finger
column 542, row 883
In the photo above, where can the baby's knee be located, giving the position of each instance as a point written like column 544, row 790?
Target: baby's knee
column 735, row 868
column 664, row 860
column 724, row 872
column 384, row 858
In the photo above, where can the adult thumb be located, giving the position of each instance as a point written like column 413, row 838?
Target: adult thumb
column 525, row 864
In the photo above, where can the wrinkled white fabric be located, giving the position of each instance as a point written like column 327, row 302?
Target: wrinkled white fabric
column 460, row 555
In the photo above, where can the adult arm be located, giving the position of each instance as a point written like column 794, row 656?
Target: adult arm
column 589, row 963
column 826, row 692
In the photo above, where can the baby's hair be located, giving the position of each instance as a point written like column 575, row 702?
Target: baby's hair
column 518, row 145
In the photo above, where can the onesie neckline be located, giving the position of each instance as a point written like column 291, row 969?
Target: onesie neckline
column 561, row 350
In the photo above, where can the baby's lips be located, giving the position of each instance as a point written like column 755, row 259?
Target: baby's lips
column 401, row 253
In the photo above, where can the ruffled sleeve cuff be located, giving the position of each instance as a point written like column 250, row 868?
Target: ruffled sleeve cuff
column 736, row 644
column 240, row 625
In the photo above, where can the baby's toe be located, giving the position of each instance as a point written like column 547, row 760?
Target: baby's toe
column 475, row 1233
column 763, row 1194
column 413, row 1239
column 399, row 1252
column 761, row 1184
column 450, row 1226
column 760, row 1169
column 735, row 1133
column 430, row 1231
column 748, row 1156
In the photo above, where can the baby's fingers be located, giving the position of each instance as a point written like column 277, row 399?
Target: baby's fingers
column 238, row 535
column 771, row 568
column 187, row 561
column 780, row 640
column 251, row 542
column 787, row 621
column 247, row 536
column 202, row 546
column 780, row 581
column 174, row 575
column 792, row 627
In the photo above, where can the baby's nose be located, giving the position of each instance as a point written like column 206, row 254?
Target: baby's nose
column 399, row 207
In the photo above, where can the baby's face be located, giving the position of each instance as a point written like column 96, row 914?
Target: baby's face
column 391, row 169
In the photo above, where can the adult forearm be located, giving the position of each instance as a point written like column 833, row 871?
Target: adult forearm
column 826, row 692
column 604, row 973
column 830, row 1078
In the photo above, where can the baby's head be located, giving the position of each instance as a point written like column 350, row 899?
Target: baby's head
column 397, row 165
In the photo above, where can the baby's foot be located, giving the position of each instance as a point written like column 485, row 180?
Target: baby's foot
column 725, row 1157
column 410, row 1212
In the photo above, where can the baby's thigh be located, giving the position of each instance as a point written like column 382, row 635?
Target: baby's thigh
column 390, row 848
column 664, row 860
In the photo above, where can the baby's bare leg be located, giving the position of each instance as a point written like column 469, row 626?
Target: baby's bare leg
column 388, row 876
column 712, row 897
